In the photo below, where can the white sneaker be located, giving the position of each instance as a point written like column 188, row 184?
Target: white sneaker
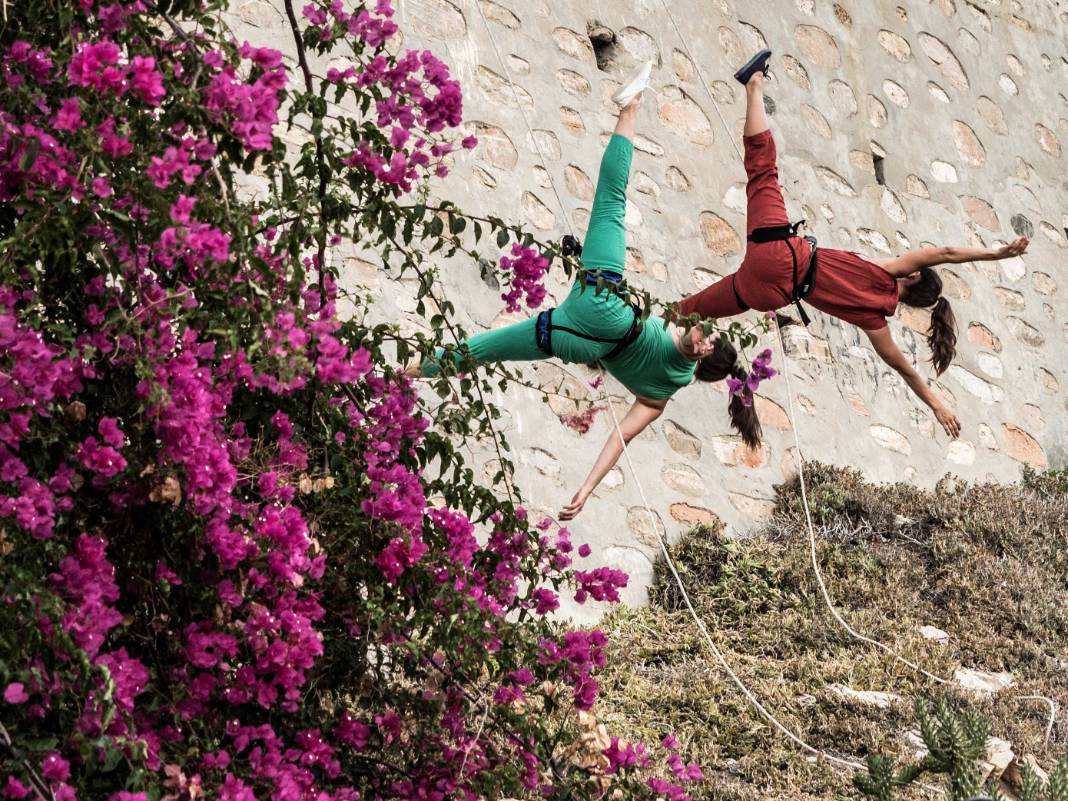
column 636, row 83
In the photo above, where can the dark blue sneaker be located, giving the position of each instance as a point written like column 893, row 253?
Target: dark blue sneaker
column 758, row 63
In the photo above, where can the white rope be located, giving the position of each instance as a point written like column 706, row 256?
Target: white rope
column 798, row 455
column 704, row 630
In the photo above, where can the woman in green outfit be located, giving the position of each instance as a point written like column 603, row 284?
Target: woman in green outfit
column 651, row 359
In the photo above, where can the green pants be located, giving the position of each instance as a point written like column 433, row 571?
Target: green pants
column 603, row 314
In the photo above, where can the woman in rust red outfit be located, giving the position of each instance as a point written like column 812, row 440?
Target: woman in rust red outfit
column 778, row 268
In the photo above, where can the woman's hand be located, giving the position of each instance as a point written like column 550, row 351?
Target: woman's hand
column 570, row 512
column 950, row 422
column 1012, row 249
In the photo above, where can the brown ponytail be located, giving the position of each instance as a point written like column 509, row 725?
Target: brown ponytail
column 942, row 336
column 718, row 365
column 926, row 292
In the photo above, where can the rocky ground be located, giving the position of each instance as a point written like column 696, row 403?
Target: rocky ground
column 967, row 581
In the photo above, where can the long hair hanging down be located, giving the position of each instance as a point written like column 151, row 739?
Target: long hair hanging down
column 942, row 335
column 717, row 366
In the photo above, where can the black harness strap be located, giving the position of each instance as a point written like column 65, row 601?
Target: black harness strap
column 543, row 329
column 802, row 287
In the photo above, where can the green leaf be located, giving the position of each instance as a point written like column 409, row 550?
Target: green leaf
column 29, row 155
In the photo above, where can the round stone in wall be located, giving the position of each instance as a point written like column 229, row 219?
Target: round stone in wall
column 572, row 121
column 1022, row 447
column 818, row 46
column 646, row 525
column 494, row 146
column 691, row 516
column 968, row 42
column 835, row 182
column 681, row 114
column 961, row 452
column 1022, row 226
column 943, row 172
column 683, row 479
column 677, row 180
column 683, row 66
column 537, row 213
column 992, row 115
column 1047, row 140
column 896, row 45
column 969, row 147
column 1025, row 332
column 573, row 83
column 1009, row 298
column 499, row 90
column 758, row 509
column 573, row 44
column 981, row 212
column 681, row 441
column 843, row 97
column 937, row 92
column 950, row 66
column 896, row 93
column 1043, row 283
column 495, row 12
column 877, row 116
column 914, row 185
column 1008, row 85
column 815, row 121
column 544, row 144
column 578, row 183
column 640, row 45
column 796, row 72
column 720, row 237
column 260, row 14
column 979, row 334
column 437, row 19
column 771, row 414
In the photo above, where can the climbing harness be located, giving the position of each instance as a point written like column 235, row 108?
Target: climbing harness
column 543, row 330
column 802, row 284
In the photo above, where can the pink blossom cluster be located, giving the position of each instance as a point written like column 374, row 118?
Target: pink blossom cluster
column 103, row 67
column 417, row 94
column 525, row 271
column 216, row 496
column 761, row 370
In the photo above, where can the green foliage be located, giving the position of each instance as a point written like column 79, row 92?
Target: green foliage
column 955, row 743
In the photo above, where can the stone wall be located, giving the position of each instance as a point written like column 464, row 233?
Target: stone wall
column 937, row 122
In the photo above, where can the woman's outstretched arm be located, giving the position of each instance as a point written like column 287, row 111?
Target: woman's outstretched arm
column 911, row 261
column 640, row 415
column 890, row 353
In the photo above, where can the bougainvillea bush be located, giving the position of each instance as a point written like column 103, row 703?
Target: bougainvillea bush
column 239, row 558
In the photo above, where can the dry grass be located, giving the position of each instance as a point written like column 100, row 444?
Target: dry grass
column 988, row 564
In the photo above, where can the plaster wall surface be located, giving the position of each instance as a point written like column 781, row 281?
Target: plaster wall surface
column 965, row 102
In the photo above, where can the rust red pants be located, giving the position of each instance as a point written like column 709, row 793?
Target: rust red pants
column 765, row 279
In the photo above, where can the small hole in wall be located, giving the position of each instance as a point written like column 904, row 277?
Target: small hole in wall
column 604, row 44
column 880, row 168
column 769, row 105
